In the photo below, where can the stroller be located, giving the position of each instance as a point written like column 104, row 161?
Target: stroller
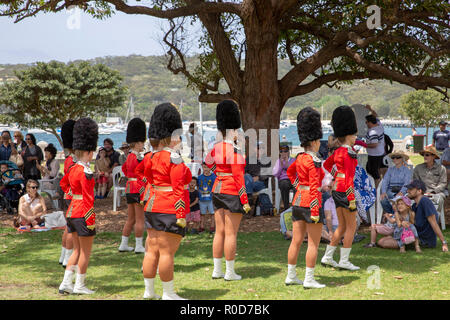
column 13, row 189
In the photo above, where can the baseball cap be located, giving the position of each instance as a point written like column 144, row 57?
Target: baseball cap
column 443, row 122
column 418, row 184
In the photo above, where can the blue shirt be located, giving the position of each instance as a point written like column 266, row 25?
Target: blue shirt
column 205, row 184
column 5, row 152
column 441, row 139
column 396, row 177
column 446, row 157
column 423, row 210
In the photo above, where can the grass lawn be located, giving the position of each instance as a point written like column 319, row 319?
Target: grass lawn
column 29, row 270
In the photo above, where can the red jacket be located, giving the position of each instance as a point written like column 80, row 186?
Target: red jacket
column 139, row 171
column 306, row 175
column 68, row 163
column 228, row 165
column 80, row 180
column 169, row 178
column 346, row 161
column 134, row 183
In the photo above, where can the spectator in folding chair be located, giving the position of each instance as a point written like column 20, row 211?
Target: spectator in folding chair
column 434, row 175
column 279, row 171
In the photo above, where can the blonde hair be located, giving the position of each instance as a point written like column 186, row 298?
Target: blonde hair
column 19, row 133
column 36, row 183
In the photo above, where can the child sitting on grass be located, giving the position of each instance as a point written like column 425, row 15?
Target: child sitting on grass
column 102, row 171
column 193, row 217
column 404, row 218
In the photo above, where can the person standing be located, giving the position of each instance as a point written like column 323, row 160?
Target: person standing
column 230, row 198
column 32, row 155
column 441, row 137
column 136, row 133
column 80, row 215
column 375, row 145
column 306, row 174
column 205, row 184
column 165, row 211
column 7, row 147
column 69, row 162
column 345, row 161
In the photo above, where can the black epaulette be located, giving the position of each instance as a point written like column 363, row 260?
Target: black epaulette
column 88, row 173
column 352, row 153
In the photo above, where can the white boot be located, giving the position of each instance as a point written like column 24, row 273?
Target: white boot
column 150, row 289
column 291, row 278
column 169, row 293
column 67, row 255
column 309, row 280
column 66, row 285
column 217, row 272
column 80, row 287
column 344, row 263
column 63, row 254
column 327, row 259
column 139, row 248
column 124, row 245
column 230, row 275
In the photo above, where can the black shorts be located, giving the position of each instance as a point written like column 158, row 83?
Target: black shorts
column 374, row 163
column 133, row 198
column 304, row 214
column 227, row 202
column 79, row 226
column 166, row 222
column 340, row 199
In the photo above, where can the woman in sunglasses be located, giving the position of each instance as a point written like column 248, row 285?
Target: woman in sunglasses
column 31, row 206
column 280, row 172
column 32, row 155
column 395, row 180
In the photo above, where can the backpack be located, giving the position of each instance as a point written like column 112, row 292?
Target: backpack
column 264, row 204
column 388, row 144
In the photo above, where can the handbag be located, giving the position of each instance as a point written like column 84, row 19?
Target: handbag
column 407, row 236
column 17, row 159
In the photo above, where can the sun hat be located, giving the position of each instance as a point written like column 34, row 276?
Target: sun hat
column 399, row 153
column 405, row 199
column 430, row 149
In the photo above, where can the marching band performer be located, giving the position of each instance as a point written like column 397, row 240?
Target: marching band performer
column 230, row 199
column 80, row 214
column 165, row 210
column 67, row 140
column 345, row 160
column 306, row 175
column 136, row 136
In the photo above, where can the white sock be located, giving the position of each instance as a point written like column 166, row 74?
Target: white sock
column 168, row 287
column 309, row 274
column 218, row 265
column 291, row 270
column 150, row 285
column 230, row 265
column 139, row 242
column 124, row 241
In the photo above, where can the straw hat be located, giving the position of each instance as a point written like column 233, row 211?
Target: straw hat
column 430, row 149
column 399, row 153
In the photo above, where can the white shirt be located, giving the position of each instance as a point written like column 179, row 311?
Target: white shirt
column 376, row 135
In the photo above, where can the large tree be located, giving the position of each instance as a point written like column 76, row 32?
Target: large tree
column 326, row 41
column 47, row 94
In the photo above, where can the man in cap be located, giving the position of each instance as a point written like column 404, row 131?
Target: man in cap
column 441, row 137
column 425, row 216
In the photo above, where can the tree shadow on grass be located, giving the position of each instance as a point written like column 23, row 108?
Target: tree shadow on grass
column 257, row 271
column 208, row 294
column 336, row 281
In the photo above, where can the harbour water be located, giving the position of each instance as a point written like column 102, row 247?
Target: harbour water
column 396, row 133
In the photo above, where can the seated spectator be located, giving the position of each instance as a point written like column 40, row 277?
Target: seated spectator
column 32, row 156
column 426, row 219
column 404, row 218
column 434, row 176
column 7, row 147
column 31, row 206
column 113, row 156
column 50, row 169
column 279, row 171
column 395, row 180
column 445, row 161
column 253, row 183
column 386, row 229
column 125, row 148
column 102, row 171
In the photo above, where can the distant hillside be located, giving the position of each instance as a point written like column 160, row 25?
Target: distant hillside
column 150, row 83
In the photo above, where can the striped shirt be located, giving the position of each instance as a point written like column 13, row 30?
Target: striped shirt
column 376, row 135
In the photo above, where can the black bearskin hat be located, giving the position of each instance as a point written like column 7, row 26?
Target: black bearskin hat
column 136, row 131
column 165, row 120
column 309, row 127
column 227, row 115
column 67, row 133
column 343, row 121
column 85, row 135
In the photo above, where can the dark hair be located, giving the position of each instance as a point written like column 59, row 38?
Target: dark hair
column 371, row 118
column 195, row 178
column 32, row 137
column 51, row 149
column 7, row 132
column 108, row 140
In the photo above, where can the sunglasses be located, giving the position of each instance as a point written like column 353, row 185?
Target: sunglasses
column 34, row 187
column 284, row 151
column 28, row 139
column 427, row 154
column 396, row 157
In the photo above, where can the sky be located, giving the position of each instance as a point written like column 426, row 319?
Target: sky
column 67, row 36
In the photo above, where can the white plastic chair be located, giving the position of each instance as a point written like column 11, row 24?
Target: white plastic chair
column 387, row 161
column 372, row 210
column 195, row 168
column 117, row 173
column 441, row 213
column 379, row 208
